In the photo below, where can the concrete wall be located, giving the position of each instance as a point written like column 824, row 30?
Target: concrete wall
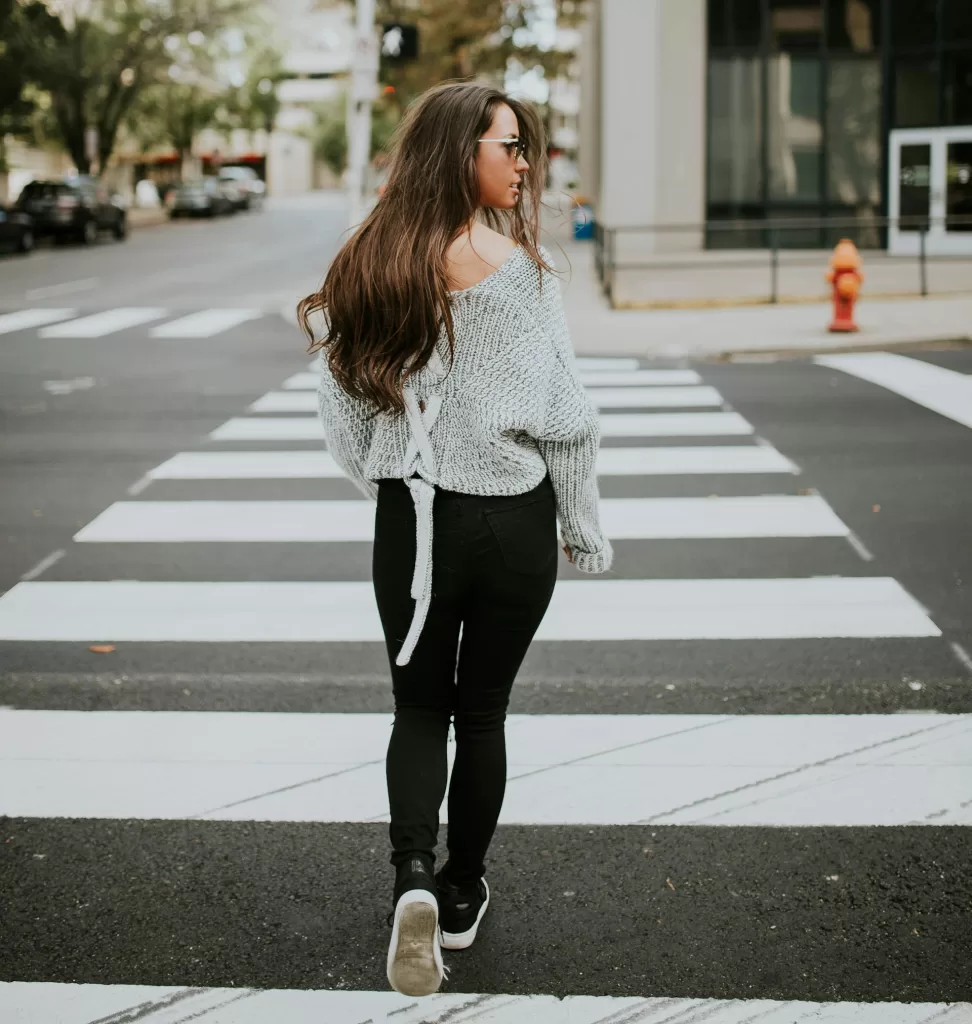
column 650, row 94
column 589, row 116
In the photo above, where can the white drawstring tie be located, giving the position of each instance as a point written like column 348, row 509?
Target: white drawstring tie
column 420, row 458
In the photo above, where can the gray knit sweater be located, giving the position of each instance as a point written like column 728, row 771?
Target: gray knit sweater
column 509, row 410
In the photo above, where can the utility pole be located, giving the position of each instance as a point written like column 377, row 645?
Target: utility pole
column 363, row 92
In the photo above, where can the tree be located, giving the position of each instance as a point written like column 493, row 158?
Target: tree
column 462, row 39
column 16, row 104
column 97, row 58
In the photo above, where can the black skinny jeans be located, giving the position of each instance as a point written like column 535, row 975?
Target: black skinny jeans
column 494, row 570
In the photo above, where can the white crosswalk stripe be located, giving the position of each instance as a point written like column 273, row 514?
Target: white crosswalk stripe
column 662, row 424
column 33, row 1002
column 298, row 522
column 205, row 323
column 612, row 609
column 66, row 323
column 604, row 398
column 97, row 325
column 740, row 770
column 307, row 381
column 24, row 319
column 756, row 776
column 626, row 461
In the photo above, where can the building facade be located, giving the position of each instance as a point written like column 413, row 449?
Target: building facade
column 707, row 111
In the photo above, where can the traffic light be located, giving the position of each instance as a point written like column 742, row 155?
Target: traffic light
column 399, row 43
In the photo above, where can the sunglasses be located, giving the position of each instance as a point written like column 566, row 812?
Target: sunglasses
column 514, row 146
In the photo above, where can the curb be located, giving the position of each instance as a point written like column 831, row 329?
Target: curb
column 771, row 355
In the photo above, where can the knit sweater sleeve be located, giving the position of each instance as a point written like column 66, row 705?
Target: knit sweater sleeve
column 348, row 430
column 569, row 443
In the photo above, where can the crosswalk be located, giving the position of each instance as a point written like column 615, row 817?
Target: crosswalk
column 68, row 324
column 792, row 802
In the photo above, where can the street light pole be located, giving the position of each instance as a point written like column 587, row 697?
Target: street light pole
column 363, row 92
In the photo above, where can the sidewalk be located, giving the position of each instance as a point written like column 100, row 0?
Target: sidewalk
column 717, row 333
column 141, row 217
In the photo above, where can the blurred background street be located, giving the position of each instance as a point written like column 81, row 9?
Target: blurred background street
column 740, row 781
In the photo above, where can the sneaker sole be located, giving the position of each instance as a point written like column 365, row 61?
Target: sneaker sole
column 463, row 940
column 414, row 965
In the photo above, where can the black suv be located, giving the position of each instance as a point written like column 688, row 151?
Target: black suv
column 78, row 208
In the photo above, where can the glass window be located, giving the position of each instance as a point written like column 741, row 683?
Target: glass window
column 795, row 129
column 958, row 187
column 854, row 133
column 914, row 187
column 854, row 25
column 795, row 25
column 957, row 74
column 914, row 23
column 915, row 93
column 718, row 24
column 958, row 21
column 735, row 131
column 746, row 22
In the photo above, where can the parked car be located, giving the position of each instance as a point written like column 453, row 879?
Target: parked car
column 79, row 208
column 16, row 230
column 201, row 197
column 251, row 186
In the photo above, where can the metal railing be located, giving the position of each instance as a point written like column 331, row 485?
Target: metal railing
column 715, row 236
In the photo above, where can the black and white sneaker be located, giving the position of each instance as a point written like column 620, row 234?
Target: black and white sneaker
column 461, row 908
column 414, row 964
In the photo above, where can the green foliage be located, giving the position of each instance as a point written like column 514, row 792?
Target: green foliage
column 95, row 64
column 331, row 141
column 462, row 39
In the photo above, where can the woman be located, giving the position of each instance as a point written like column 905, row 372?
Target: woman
column 449, row 395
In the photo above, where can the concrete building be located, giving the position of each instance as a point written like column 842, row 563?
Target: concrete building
column 318, row 42
column 705, row 112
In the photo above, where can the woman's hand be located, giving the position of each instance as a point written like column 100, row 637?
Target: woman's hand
column 570, row 557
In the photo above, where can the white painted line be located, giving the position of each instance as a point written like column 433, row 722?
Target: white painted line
column 205, row 323
column 315, row 612
column 30, row 1002
column 286, row 402
column 288, row 428
column 858, row 545
column 299, row 522
column 592, row 378
column 604, row 398
column 771, row 770
column 674, row 424
column 607, row 363
column 691, row 460
column 43, row 565
column 583, row 363
column 99, row 324
column 962, row 654
column 654, row 397
column 24, row 319
column 660, row 424
column 632, row 378
column 294, row 465
column 943, row 391
column 303, row 381
column 623, row 461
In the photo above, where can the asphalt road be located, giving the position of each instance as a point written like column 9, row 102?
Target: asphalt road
column 823, row 858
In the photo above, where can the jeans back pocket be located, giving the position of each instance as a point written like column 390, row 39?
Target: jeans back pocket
column 526, row 534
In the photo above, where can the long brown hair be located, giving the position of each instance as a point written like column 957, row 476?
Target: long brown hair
column 385, row 297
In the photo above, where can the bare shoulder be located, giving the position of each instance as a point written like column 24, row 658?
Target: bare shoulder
column 475, row 256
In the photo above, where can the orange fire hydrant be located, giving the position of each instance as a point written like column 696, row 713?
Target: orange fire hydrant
column 845, row 275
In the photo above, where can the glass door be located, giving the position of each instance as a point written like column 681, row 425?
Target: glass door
column 931, row 191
